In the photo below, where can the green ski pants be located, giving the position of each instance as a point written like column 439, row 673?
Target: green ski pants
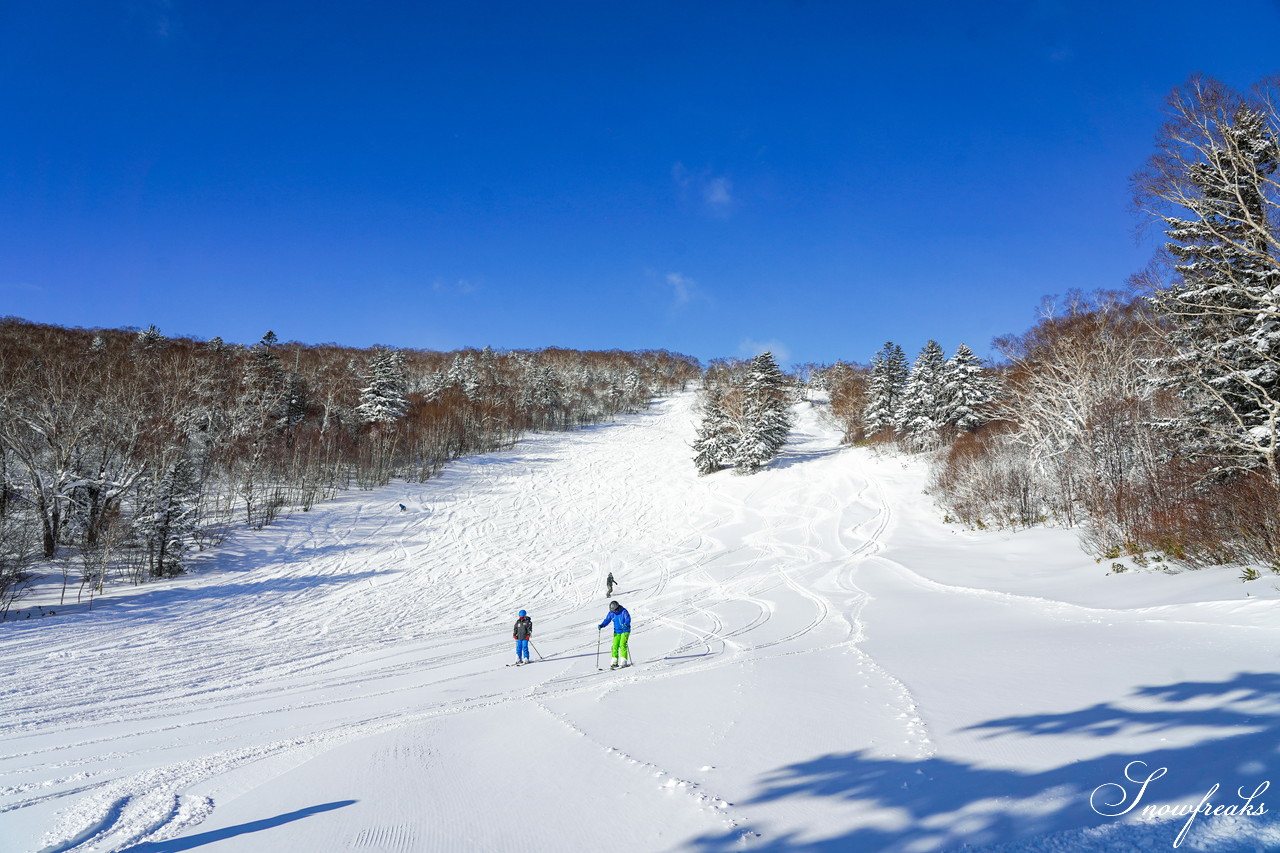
column 620, row 645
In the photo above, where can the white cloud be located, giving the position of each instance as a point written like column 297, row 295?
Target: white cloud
column 681, row 176
column 715, row 192
column 684, row 287
column 460, row 285
column 750, row 348
column 20, row 287
column 718, row 193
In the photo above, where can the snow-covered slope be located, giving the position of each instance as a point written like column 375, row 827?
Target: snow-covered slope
column 821, row 664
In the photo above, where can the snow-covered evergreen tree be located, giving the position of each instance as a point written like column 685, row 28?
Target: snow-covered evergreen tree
column 382, row 399
column 166, row 518
column 465, row 373
column 543, row 390
column 714, row 442
column 263, row 390
column 966, row 389
column 1225, row 303
column 766, row 416
column 148, row 339
column 919, row 415
column 888, row 379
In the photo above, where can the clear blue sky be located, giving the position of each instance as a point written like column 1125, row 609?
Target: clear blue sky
column 705, row 177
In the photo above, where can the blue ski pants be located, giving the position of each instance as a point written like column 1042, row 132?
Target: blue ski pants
column 522, row 649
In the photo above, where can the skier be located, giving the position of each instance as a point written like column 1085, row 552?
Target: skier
column 523, row 631
column 621, row 620
column 609, row 584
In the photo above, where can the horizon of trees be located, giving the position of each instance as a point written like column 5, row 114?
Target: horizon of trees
column 127, row 449
column 1151, row 419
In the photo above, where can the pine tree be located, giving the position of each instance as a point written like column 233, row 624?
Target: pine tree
column 149, row 339
column 888, row 379
column 382, row 399
column 1218, row 162
column 966, row 389
column 919, row 415
column 766, row 416
column 714, row 441
column 264, row 394
column 166, row 518
column 465, row 373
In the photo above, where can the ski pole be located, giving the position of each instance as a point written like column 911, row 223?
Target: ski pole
column 597, row 648
column 535, row 648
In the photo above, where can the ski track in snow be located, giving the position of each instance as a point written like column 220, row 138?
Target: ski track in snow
column 133, row 723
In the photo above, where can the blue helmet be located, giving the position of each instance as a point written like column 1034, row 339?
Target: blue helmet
column 522, row 613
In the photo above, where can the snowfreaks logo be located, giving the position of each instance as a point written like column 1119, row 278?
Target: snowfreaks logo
column 1109, row 800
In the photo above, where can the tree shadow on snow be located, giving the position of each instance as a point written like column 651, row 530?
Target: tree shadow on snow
column 193, row 841
column 148, row 603
column 787, row 459
column 941, row 804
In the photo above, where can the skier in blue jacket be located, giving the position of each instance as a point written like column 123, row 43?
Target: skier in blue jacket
column 621, row 620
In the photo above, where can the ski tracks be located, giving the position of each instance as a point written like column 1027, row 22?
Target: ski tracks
column 367, row 618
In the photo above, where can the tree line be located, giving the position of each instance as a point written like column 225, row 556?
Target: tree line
column 121, row 450
column 1149, row 417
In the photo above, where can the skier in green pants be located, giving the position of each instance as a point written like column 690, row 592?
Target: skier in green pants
column 621, row 620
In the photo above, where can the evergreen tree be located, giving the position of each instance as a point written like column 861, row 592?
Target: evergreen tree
column 264, row 393
column 465, row 374
column 382, row 399
column 966, row 389
column 919, row 414
column 766, row 416
column 1218, row 162
column 714, row 441
column 149, row 339
column 542, row 389
column 888, row 379
column 166, row 518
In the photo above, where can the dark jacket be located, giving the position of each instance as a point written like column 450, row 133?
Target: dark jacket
column 523, row 629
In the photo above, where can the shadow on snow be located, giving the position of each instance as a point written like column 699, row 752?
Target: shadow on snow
column 942, row 804
column 194, row 841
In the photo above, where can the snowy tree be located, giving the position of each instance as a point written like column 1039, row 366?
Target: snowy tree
column 1213, row 185
column 966, row 389
column 542, row 389
column 465, row 373
column 382, row 399
column 714, row 442
column 148, row 339
column 919, row 414
column 264, row 394
column 765, row 416
column 888, row 379
column 166, row 519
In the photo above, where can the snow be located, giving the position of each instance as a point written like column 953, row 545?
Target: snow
column 822, row 664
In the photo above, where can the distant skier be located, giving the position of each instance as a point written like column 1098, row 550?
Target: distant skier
column 523, row 631
column 402, row 507
column 609, row 586
column 621, row 620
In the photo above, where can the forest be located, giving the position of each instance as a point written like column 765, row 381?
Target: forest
column 1147, row 417
column 122, row 451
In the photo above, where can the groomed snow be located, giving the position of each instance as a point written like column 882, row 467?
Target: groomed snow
column 822, row 664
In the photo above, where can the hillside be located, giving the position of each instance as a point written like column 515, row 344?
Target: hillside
column 822, row 664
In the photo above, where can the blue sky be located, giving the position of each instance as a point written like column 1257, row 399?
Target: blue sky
column 706, row 177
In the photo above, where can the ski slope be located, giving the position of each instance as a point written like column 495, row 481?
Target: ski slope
column 821, row 665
